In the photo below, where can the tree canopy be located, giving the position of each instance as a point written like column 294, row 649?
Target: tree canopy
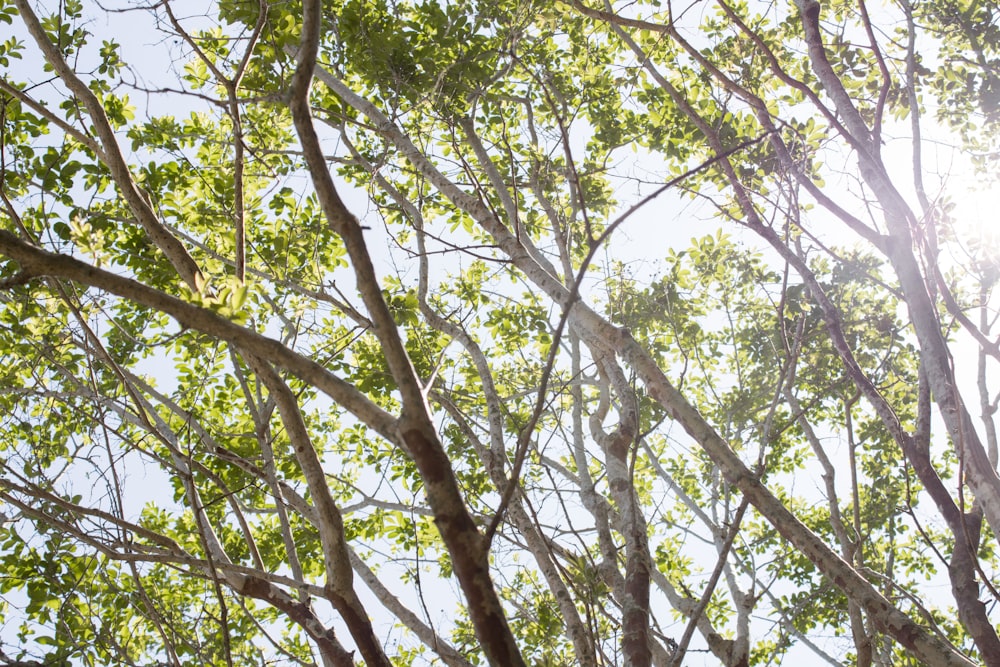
column 498, row 332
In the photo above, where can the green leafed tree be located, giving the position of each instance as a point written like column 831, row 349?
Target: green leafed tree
column 499, row 332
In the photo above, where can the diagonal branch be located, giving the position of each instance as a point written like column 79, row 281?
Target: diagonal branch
column 465, row 544
column 136, row 198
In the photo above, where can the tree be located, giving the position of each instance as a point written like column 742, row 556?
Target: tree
column 326, row 346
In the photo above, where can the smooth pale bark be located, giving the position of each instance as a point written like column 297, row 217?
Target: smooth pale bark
column 981, row 476
column 592, row 327
column 866, row 144
column 468, row 550
column 448, row 653
column 415, row 433
column 918, row 640
column 600, row 334
column 493, row 458
column 36, row 262
column 136, row 198
column 336, row 556
column 617, row 446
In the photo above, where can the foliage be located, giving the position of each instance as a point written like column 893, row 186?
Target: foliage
column 497, row 332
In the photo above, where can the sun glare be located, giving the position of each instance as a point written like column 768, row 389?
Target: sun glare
column 976, row 206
